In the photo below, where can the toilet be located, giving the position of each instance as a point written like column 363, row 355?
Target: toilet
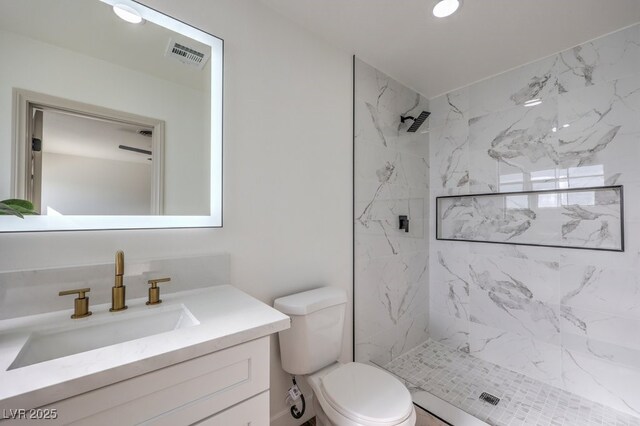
column 350, row 394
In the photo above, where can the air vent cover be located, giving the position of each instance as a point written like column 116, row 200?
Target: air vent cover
column 491, row 399
column 186, row 54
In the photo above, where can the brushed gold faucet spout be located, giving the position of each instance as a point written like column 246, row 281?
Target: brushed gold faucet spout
column 118, row 290
column 119, row 268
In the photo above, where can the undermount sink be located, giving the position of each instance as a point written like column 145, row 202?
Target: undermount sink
column 70, row 339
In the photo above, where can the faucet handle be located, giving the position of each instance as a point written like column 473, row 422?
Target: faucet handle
column 81, row 303
column 154, row 290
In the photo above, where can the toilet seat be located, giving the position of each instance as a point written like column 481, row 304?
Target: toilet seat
column 364, row 395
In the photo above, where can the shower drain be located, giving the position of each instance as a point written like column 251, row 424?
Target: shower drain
column 493, row 400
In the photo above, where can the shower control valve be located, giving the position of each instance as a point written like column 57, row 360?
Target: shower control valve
column 404, row 223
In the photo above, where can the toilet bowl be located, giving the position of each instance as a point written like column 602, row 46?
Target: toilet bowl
column 356, row 394
column 351, row 394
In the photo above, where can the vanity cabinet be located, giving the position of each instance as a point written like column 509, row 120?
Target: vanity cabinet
column 228, row 387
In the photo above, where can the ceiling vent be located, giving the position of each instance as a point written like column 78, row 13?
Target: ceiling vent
column 186, row 55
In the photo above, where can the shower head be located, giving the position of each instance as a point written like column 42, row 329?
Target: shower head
column 417, row 122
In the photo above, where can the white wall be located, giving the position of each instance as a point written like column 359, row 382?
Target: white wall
column 82, row 185
column 287, row 169
column 51, row 70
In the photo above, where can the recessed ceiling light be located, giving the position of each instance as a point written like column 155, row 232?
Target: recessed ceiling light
column 127, row 13
column 445, row 8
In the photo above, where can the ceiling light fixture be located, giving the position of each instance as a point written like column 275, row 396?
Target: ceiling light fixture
column 444, row 8
column 127, row 13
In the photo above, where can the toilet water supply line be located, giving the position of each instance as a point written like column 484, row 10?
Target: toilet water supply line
column 294, row 395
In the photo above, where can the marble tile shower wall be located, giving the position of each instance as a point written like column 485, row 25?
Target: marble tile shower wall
column 570, row 318
column 391, row 179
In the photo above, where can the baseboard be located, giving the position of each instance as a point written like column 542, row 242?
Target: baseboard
column 284, row 417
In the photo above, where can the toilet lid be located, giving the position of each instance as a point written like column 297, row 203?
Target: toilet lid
column 365, row 393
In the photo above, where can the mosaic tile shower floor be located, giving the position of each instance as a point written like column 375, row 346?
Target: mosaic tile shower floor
column 459, row 379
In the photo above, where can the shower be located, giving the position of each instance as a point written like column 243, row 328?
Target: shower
column 417, row 122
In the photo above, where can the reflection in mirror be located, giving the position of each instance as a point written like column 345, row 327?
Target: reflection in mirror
column 112, row 125
column 85, row 165
column 83, row 160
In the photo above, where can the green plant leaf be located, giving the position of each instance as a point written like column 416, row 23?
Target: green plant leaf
column 17, row 207
column 8, row 210
column 13, row 202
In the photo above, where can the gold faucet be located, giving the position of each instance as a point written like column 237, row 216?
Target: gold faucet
column 118, row 290
column 81, row 303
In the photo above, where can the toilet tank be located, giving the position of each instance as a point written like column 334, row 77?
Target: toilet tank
column 314, row 339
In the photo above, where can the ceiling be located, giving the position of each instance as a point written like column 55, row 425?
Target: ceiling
column 70, row 134
column 485, row 37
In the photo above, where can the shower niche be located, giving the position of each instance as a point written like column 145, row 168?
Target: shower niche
column 582, row 218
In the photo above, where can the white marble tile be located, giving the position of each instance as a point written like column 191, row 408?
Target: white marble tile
column 366, row 191
column 391, row 179
column 608, row 58
column 381, row 218
column 483, row 139
column 507, row 252
column 511, row 142
column 611, row 384
column 388, row 344
column 449, row 159
column 537, row 80
column 605, row 351
column 604, row 105
column 597, row 287
column 515, row 296
column 530, row 357
column 391, row 289
column 416, row 143
column 416, row 170
column 371, row 246
column 450, row 109
column 433, row 371
column 601, row 326
column 603, row 131
column 378, row 164
column 448, row 330
column 374, row 125
column 388, row 166
column 380, row 90
column 449, row 281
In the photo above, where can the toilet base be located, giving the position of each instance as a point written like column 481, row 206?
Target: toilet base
column 321, row 417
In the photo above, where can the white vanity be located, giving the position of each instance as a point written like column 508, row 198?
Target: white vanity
column 200, row 357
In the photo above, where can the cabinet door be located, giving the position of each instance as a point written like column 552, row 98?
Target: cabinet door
column 252, row 412
column 180, row 394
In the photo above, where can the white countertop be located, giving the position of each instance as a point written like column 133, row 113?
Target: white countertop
column 227, row 317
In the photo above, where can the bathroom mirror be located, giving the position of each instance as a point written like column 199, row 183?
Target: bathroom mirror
column 107, row 123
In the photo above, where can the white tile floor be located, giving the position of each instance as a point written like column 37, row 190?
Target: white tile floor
column 459, row 379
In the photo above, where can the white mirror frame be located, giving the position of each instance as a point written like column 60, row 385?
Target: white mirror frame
column 77, row 223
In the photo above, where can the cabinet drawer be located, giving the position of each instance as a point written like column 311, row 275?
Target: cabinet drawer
column 185, row 392
column 253, row 412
